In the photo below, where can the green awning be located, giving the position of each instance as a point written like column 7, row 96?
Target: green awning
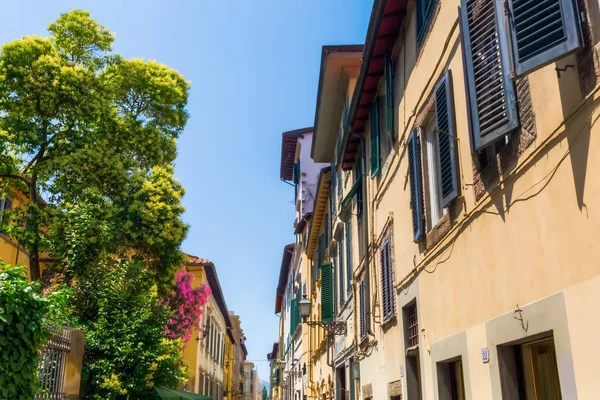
column 170, row 394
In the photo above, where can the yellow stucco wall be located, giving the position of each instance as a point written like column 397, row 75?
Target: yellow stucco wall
column 533, row 237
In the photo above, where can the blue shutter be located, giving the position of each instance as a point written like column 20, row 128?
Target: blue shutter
column 491, row 92
column 389, row 95
column 362, row 294
column 349, row 268
column 416, row 186
column 387, row 284
column 375, row 146
column 542, row 31
column 448, row 165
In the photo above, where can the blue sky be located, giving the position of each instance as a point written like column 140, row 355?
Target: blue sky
column 254, row 69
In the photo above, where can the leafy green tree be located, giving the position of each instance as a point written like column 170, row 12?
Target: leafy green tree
column 78, row 119
column 127, row 352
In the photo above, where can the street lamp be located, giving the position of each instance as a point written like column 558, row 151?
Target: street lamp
column 335, row 327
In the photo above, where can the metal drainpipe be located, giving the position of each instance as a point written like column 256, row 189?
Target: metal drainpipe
column 365, row 221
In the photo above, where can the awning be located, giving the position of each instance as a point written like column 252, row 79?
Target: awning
column 171, row 394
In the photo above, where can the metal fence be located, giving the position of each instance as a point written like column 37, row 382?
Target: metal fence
column 53, row 362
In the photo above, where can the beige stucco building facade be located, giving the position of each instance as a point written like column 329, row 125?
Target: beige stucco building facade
column 467, row 168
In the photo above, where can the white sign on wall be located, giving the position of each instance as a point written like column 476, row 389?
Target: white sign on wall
column 485, row 355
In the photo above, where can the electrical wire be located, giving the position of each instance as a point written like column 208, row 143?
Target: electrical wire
column 479, row 207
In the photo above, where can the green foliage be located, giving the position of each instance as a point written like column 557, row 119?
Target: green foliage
column 23, row 310
column 78, row 119
column 126, row 349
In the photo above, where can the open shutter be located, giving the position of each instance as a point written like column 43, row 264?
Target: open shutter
column 297, row 309
column 425, row 10
column 349, row 258
column 542, row 31
column 387, row 289
column 326, row 293
column 448, row 165
column 362, row 294
column 375, row 147
column 416, row 186
column 389, row 95
column 491, row 92
column 341, row 269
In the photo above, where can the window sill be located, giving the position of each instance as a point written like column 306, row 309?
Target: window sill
column 389, row 322
column 439, row 231
column 413, row 350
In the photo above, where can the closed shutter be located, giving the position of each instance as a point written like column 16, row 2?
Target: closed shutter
column 387, row 284
column 292, row 316
column 389, row 95
column 425, row 10
column 375, row 147
column 448, row 166
column 363, row 308
column 492, row 96
column 349, row 268
column 326, row 293
column 416, row 186
column 542, row 31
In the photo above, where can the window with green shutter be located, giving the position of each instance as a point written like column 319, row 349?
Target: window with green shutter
column 389, row 95
column 327, row 293
column 425, row 13
column 349, row 267
column 387, row 280
column 375, row 139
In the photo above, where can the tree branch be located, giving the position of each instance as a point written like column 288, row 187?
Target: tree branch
column 15, row 176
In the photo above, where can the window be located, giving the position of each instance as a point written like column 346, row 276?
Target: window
column 411, row 324
column 5, row 205
column 349, row 268
column 359, row 192
column 440, row 166
column 539, row 32
column 416, row 195
column 529, row 370
column 363, row 308
column 382, row 115
column 413, row 361
column 387, row 281
column 425, row 9
column 375, row 139
column 451, row 385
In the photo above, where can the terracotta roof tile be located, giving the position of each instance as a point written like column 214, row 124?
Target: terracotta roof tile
column 197, row 260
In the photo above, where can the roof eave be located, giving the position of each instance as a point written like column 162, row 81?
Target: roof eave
column 325, row 52
column 319, row 210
